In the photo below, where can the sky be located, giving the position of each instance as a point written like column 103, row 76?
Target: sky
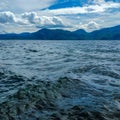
column 18, row 16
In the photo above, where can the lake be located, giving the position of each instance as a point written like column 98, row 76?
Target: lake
column 79, row 75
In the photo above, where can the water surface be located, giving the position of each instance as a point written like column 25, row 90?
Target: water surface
column 96, row 64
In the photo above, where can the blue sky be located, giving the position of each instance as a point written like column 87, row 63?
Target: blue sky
column 31, row 15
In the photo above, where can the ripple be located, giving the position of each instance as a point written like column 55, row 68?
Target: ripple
column 74, row 77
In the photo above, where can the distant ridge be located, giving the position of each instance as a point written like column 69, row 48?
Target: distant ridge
column 112, row 33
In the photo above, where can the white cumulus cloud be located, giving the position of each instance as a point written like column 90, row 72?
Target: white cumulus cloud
column 90, row 26
column 31, row 15
column 42, row 21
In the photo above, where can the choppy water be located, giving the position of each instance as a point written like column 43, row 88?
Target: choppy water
column 94, row 63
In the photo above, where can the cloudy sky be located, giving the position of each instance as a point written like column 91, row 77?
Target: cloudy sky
column 31, row 15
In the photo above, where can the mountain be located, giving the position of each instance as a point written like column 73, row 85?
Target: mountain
column 112, row 33
column 54, row 34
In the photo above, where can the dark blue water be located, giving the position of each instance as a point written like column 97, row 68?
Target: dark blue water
column 95, row 63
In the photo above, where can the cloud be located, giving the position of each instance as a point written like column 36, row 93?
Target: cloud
column 7, row 17
column 90, row 26
column 99, row 1
column 54, row 21
column 95, row 8
column 29, row 19
column 30, row 15
column 20, row 6
column 42, row 21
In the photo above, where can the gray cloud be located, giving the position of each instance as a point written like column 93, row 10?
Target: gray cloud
column 20, row 6
column 30, row 16
column 7, row 17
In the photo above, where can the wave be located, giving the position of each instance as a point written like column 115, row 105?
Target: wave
column 64, row 99
column 59, row 80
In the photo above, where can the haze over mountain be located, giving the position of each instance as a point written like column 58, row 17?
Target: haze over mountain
column 112, row 33
column 68, row 15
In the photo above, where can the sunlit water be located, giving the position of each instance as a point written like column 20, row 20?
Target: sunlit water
column 95, row 63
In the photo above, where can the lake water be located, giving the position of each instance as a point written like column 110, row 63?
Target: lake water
column 94, row 63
